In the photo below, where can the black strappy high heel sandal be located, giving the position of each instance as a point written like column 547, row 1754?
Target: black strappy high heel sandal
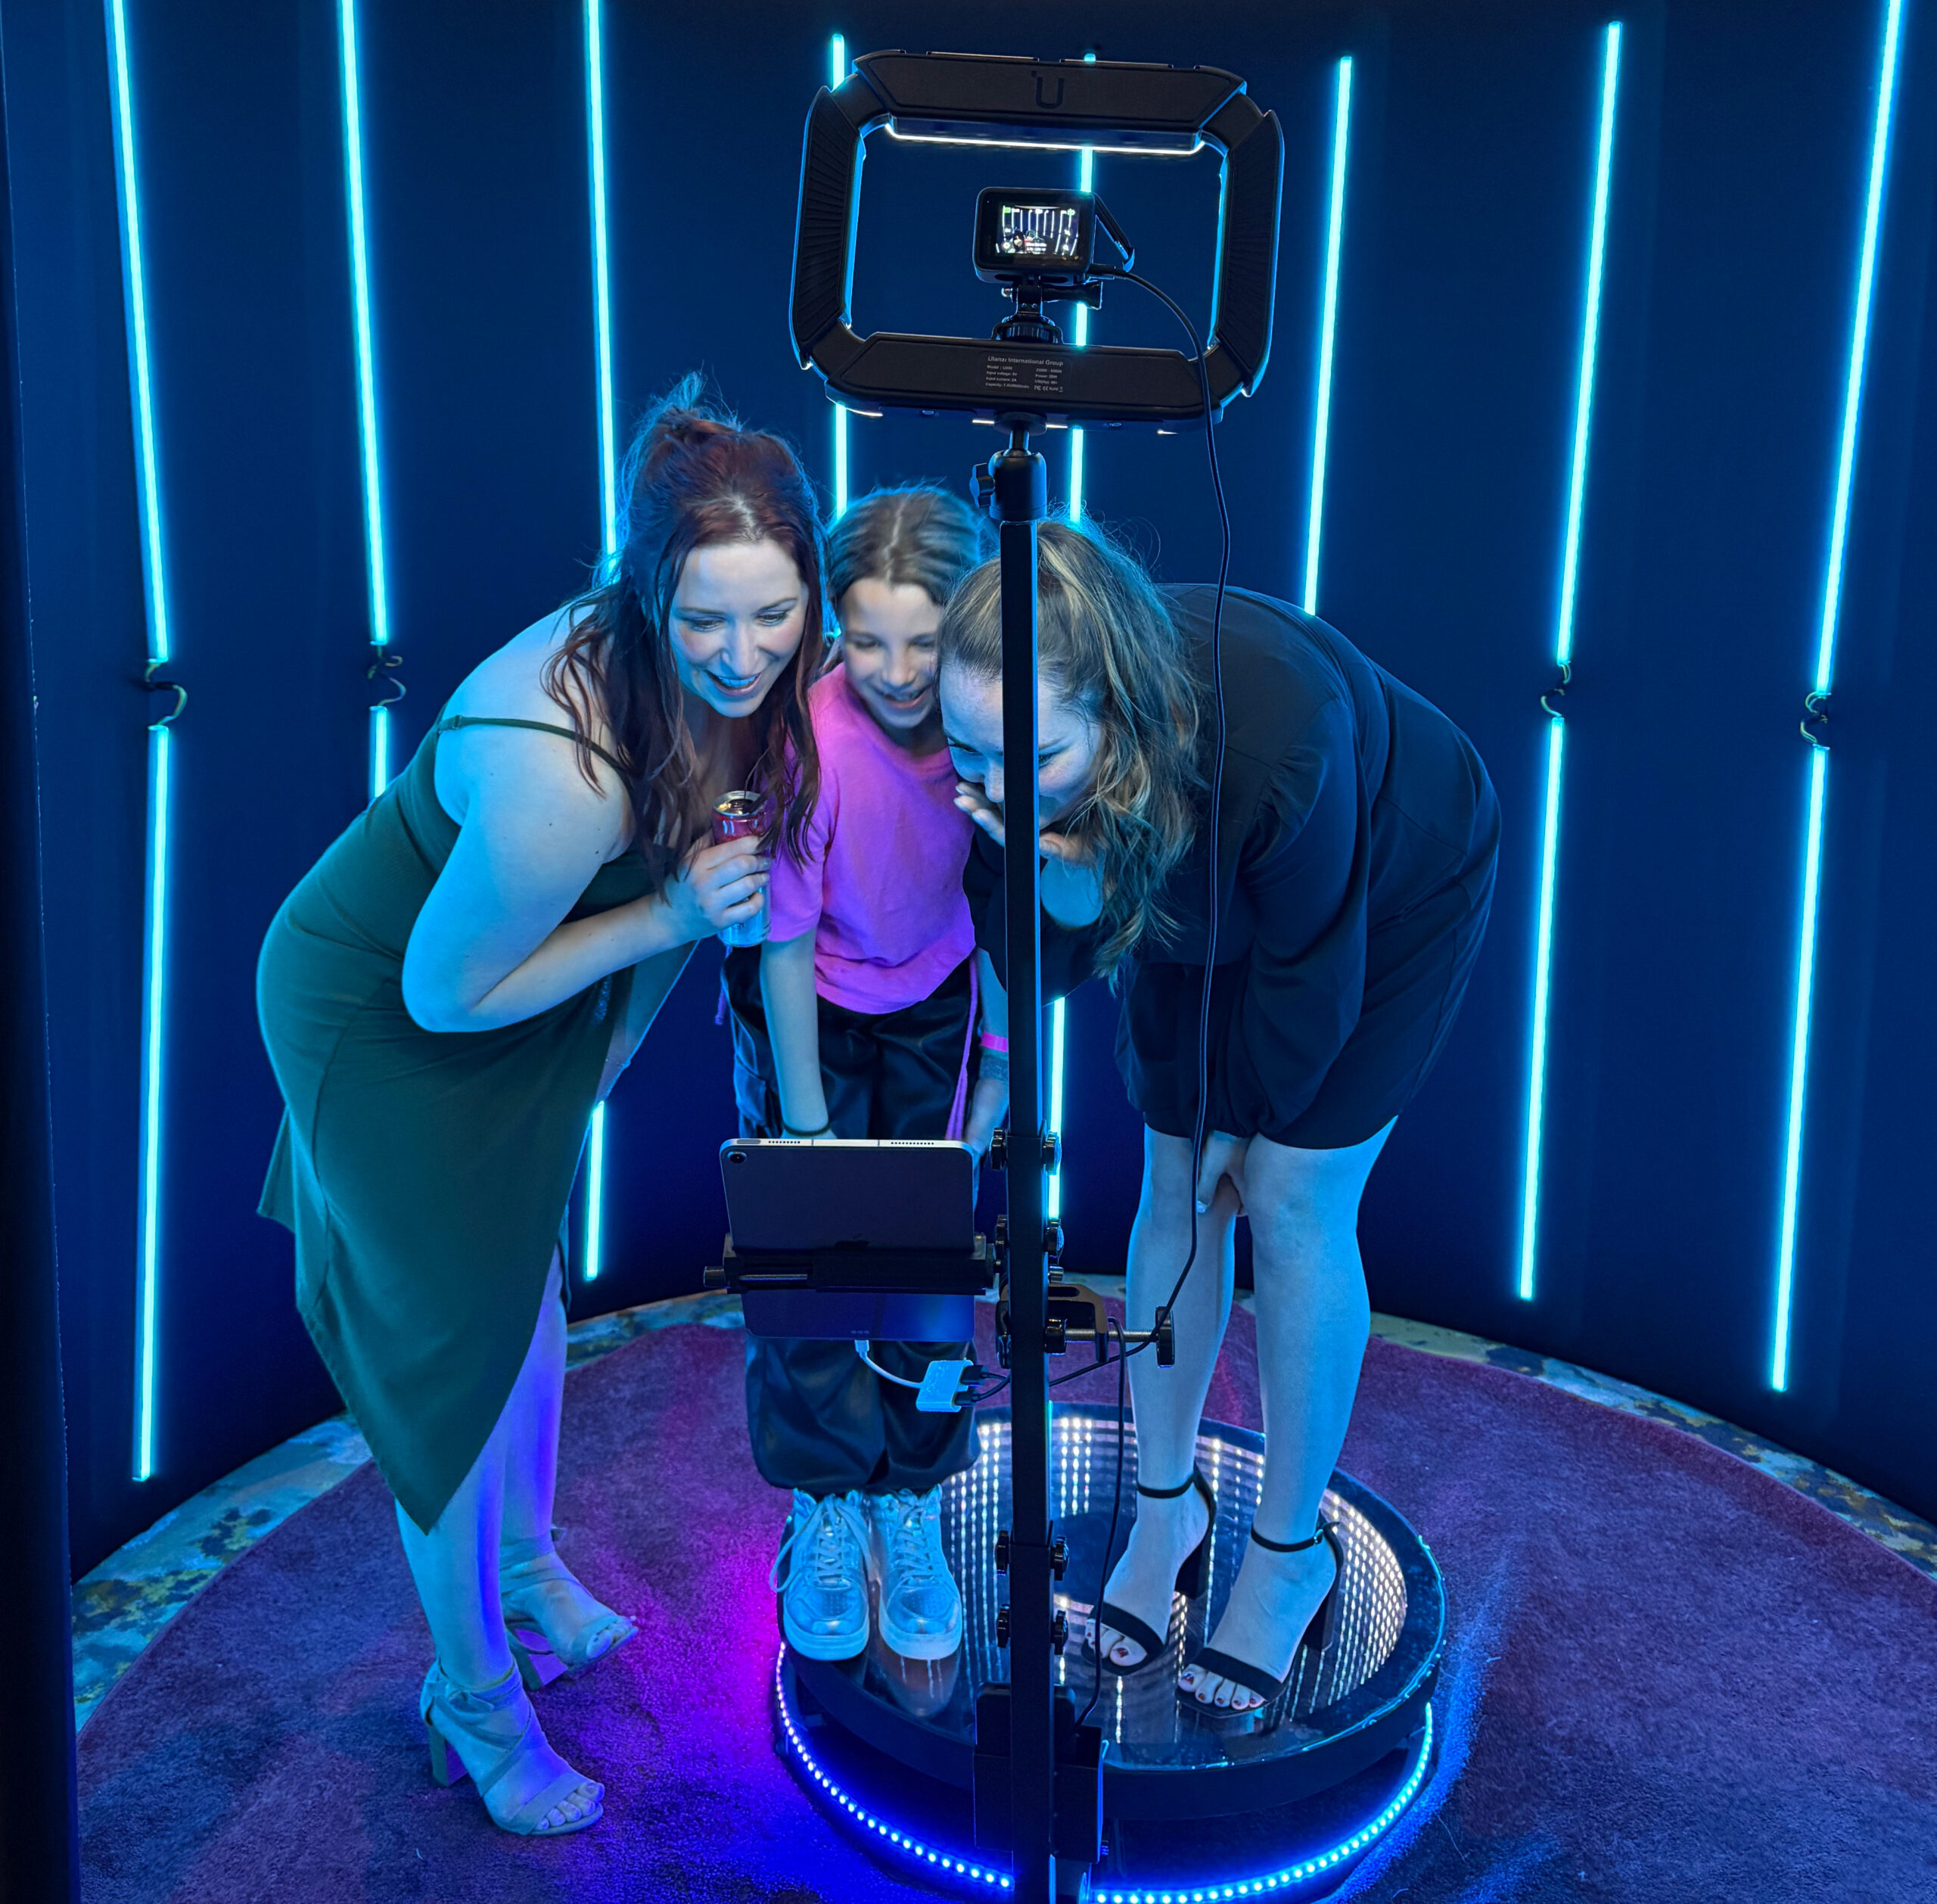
column 1190, row 1582
column 1318, row 1634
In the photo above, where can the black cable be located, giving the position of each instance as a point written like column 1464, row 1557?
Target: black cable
column 1162, row 1316
column 1110, row 1540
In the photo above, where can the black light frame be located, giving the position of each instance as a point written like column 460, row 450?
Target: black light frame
column 972, row 99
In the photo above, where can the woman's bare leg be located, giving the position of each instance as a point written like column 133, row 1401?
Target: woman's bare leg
column 455, row 1567
column 1312, row 1317
column 555, row 1599
column 1169, row 1401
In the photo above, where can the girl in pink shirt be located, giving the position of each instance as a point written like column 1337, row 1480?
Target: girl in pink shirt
column 856, row 1019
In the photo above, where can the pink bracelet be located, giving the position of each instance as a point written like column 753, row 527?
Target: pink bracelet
column 991, row 1042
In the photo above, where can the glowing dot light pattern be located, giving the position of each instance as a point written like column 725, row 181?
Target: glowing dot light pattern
column 147, row 1220
column 1563, row 655
column 366, row 375
column 1819, row 757
column 984, row 1881
column 608, row 507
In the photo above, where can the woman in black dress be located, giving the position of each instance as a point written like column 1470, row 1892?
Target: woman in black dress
column 1357, row 838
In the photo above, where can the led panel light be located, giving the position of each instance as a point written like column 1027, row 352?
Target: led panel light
column 1334, row 233
column 1563, row 655
column 154, row 935
column 1826, row 650
column 377, row 573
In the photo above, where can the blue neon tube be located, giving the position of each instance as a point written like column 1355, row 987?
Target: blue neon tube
column 1563, row 655
column 154, row 935
column 1825, row 651
column 608, row 505
column 1334, row 233
column 378, row 576
column 837, row 72
column 1086, row 173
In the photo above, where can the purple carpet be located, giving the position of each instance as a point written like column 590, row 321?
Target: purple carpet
column 1670, row 1677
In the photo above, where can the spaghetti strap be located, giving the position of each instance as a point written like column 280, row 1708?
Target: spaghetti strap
column 537, row 727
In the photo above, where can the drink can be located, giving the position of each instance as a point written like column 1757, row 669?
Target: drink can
column 740, row 814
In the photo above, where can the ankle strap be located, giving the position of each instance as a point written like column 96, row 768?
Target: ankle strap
column 1293, row 1546
column 1193, row 1480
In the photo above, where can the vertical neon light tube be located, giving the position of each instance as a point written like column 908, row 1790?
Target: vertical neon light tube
column 1321, row 426
column 1053, row 1208
column 154, row 936
column 366, row 378
column 1563, row 655
column 1086, row 172
column 837, row 72
column 609, row 506
column 1826, row 655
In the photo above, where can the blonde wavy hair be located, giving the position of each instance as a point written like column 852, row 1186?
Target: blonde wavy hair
column 1107, row 642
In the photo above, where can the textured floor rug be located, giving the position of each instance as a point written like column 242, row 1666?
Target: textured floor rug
column 1670, row 1676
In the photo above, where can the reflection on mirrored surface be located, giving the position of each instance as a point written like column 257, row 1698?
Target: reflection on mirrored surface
column 1140, row 1714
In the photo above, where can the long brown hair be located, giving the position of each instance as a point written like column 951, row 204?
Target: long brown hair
column 919, row 534
column 694, row 476
column 1108, row 643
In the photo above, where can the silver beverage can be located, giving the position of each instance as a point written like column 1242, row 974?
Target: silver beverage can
column 738, row 815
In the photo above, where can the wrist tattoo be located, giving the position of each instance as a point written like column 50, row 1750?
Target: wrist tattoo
column 994, row 1067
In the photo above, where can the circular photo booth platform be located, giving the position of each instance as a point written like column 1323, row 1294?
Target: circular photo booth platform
column 1197, row 1806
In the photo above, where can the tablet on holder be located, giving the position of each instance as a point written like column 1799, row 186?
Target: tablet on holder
column 864, row 1238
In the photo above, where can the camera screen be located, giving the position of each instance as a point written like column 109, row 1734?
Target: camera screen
column 1052, row 232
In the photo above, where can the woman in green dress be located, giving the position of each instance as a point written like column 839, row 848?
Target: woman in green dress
column 461, row 978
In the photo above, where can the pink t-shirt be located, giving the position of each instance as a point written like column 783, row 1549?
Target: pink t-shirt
column 879, row 882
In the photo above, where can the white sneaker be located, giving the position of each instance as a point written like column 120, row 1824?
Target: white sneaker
column 920, row 1611
column 822, row 1577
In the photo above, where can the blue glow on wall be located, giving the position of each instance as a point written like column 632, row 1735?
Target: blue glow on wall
column 837, row 72
column 1825, row 651
column 1563, row 655
column 366, row 376
column 1334, row 233
column 154, row 935
column 608, row 508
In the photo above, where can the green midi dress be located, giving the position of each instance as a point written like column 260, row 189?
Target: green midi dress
column 425, row 1174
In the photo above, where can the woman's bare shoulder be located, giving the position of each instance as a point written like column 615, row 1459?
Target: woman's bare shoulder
column 509, row 683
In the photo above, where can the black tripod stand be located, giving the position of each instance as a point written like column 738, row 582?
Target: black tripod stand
column 1038, row 1775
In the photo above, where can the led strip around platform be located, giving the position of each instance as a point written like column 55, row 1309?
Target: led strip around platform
column 366, row 376
column 1826, row 645
column 593, row 1262
column 921, row 1853
column 1563, row 655
column 147, row 1222
column 984, row 1880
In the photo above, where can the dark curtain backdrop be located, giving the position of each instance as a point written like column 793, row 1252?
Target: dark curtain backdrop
column 1739, row 172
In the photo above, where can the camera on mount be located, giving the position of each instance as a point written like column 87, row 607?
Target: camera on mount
column 1040, row 247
